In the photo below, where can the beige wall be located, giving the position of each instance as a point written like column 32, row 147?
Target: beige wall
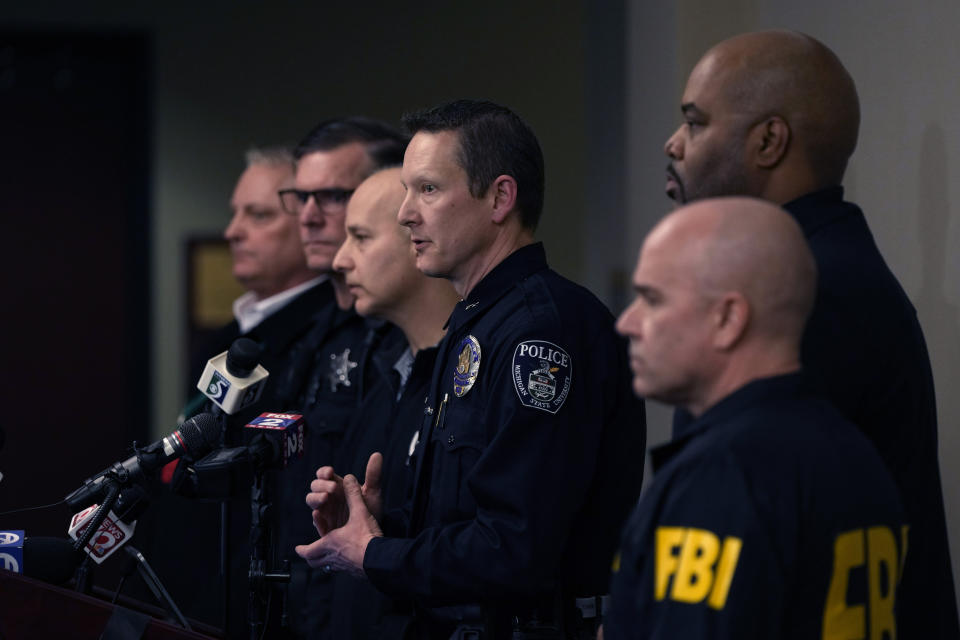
column 905, row 173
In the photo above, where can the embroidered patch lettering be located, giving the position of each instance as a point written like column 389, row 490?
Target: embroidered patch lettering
column 468, row 364
column 542, row 374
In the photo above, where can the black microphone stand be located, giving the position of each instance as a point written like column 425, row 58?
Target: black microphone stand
column 262, row 578
column 113, row 484
column 225, row 577
column 152, row 581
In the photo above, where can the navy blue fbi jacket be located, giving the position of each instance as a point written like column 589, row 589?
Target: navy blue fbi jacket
column 769, row 517
column 863, row 345
column 864, row 350
column 530, row 450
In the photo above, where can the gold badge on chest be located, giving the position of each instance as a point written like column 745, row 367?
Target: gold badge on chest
column 468, row 364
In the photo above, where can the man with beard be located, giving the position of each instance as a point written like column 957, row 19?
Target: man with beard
column 775, row 115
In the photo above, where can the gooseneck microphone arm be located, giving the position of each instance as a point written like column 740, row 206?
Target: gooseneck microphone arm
column 112, row 487
column 112, row 493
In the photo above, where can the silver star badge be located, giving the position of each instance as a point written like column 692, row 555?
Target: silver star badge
column 340, row 367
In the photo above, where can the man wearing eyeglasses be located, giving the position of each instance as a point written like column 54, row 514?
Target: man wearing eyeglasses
column 282, row 297
column 325, row 379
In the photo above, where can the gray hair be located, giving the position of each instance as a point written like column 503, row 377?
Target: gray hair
column 271, row 156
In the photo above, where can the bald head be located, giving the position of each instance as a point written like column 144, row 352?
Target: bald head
column 378, row 198
column 379, row 264
column 772, row 115
column 748, row 246
column 724, row 287
column 377, row 259
column 794, row 76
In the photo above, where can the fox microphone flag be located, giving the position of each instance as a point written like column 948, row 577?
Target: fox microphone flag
column 280, row 440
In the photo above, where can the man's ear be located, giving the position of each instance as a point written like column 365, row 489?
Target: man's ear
column 769, row 141
column 504, row 194
column 731, row 315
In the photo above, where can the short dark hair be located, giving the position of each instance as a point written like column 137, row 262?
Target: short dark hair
column 494, row 141
column 385, row 144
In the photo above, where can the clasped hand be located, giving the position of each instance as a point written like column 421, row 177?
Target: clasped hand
column 345, row 515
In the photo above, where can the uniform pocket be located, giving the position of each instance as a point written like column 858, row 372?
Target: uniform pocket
column 458, row 442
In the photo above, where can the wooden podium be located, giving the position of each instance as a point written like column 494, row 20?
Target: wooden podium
column 33, row 609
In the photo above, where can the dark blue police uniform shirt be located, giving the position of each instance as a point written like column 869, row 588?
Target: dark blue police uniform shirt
column 512, row 492
column 771, row 516
column 388, row 424
column 328, row 368
column 328, row 375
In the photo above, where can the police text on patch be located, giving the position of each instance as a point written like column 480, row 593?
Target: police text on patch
column 542, row 374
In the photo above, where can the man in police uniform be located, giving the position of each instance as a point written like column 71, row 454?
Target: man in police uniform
column 530, row 445
column 775, row 115
column 325, row 379
column 770, row 515
column 379, row 267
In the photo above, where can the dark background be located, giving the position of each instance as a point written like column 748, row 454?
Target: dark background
column 75, row 125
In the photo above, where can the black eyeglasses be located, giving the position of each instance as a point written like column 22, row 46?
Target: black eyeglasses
column 328, row 200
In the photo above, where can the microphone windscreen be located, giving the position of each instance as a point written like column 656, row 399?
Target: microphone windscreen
column 49, row 559
column 243, row 357
column 200, row 434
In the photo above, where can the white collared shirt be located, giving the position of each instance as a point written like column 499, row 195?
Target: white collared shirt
column 250, row 312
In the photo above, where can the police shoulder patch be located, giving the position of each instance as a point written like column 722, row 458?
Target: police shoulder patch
column 542, row 373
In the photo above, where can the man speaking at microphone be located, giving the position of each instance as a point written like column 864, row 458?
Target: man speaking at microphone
column 530, row 445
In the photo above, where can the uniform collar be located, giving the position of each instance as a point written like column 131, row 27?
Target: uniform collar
column 819, row 208
column 394, row 348
column 762, row 391
column 520, row 264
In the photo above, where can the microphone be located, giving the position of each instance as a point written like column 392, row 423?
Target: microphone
column 48, row 559
column 234, row 380
column 196, row 436
column 112, row 534
column 11, row 550
column 115, row 530
column 280, row 439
